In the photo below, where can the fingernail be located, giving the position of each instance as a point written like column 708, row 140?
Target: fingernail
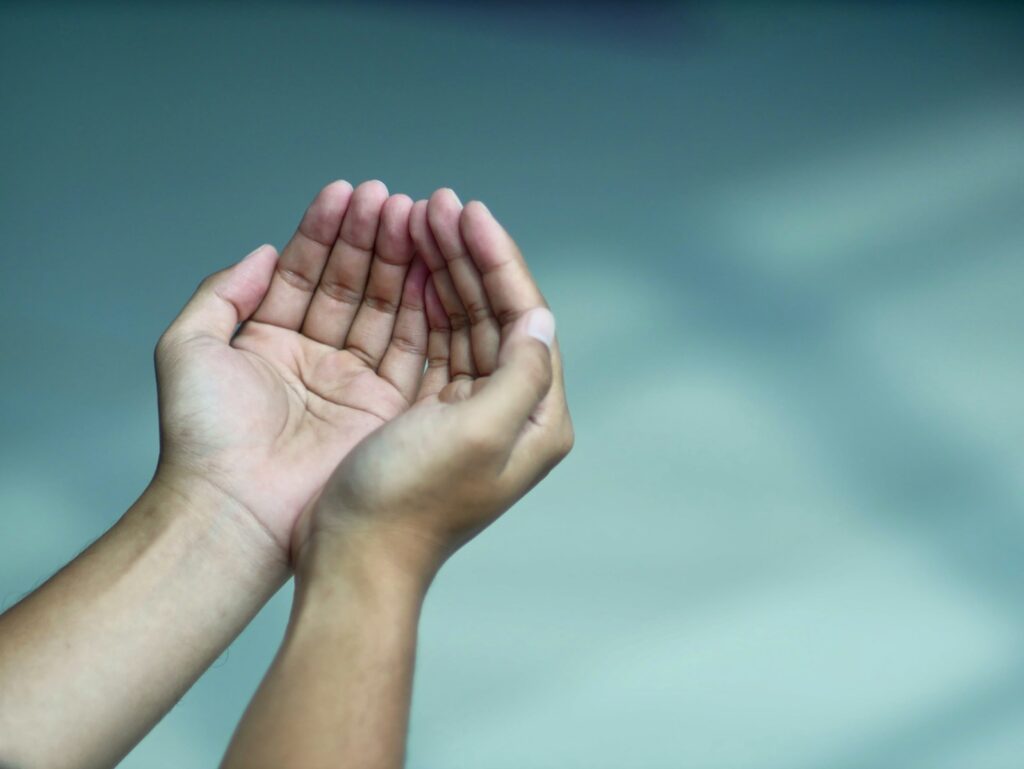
column 541, row 325
column 455, row 195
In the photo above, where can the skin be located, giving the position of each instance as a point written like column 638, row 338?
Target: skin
column 252, row 425
column 258, row 424
column 330, row 351
column 490, row 420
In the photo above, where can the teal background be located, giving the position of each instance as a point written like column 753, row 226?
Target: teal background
column 785, row 248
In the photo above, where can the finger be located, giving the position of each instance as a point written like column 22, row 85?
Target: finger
column 461, row 360
column 340, row 289
column 511, row 291
column 302, row 260
column 510, row 288
column 226, row 298
column 438, row 372
column 521, row 380
column 402, row 364
column 443, row 216
column 372, row 328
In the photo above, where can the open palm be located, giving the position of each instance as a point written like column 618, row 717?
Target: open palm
column 332, row 346
column 490, row 416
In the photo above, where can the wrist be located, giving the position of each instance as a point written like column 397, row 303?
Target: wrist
column 211, row 520
column 360, row 560
column 340, row 686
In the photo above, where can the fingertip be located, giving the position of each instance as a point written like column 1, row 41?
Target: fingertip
column 474, row 216
column 540, row 324
column 443, row 214
column 374, row 188
column 337, row 187
column 322, row 219
column 443, row 210
column 255, row 252
column 261, row 260
column 400, row 201
column 394, row 220
column 445, row 196
column 368, row 198
column 476, row 210
column 228, row 297
column 535, row 325
column 254, row 272
column 486, row 239
column 362, row 218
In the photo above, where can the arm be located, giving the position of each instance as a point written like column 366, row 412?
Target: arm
column 339, row 689
column 338, row 693
column 95, row 657
column 252, row 423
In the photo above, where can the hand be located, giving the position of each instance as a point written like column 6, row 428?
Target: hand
column 331, row 346
column 490, row 418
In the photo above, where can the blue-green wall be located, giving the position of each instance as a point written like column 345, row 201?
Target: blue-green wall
column 786, row 252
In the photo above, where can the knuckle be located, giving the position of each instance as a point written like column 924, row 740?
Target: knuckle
column 361, row 353
column 340, row 292
column 479, row 311
column 296, row 279
column 458, row 320
column 381, row 304
column 407, row 345
column 437, row 361
column 508, row 316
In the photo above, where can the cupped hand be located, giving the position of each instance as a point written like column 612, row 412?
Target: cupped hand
column 490, row 417
column 331, row 345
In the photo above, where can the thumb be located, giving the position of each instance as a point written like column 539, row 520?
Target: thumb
column 226, row 298
column 523, row 376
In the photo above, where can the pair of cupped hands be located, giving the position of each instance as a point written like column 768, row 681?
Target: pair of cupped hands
column 384, row 388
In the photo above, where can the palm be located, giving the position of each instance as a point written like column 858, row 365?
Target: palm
column 478, row 277
column 336, row 334
column 334, row 349
column 296, row 408
column 316, row 400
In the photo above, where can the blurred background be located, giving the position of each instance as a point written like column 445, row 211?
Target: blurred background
column 785, row 247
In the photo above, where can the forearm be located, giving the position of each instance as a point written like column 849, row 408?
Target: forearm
column 94, row 658
column 339, row 691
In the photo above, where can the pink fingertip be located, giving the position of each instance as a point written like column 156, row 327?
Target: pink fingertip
column 540, row 324
column 253, row 253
